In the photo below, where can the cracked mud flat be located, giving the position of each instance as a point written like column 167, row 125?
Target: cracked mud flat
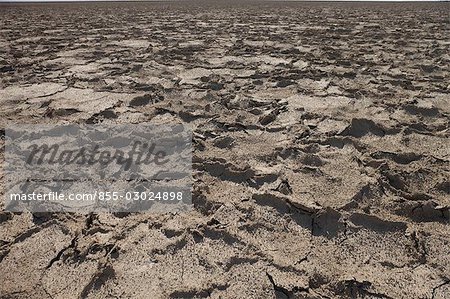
column 321, row 156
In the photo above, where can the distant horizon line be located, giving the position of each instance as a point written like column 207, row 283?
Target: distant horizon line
column 73, row 1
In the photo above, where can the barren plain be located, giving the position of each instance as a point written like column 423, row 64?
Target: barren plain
column 322, row 150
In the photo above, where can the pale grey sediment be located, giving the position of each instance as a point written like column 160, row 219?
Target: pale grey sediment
column 321, row 148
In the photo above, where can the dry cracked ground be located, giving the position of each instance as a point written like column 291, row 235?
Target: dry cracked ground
column 321, row 158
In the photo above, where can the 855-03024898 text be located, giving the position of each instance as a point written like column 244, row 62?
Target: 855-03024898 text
column 100, row 195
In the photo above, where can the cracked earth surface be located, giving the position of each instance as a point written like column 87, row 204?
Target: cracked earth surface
column 321, row 148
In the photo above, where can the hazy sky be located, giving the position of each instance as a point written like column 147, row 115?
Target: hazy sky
column 224, row 0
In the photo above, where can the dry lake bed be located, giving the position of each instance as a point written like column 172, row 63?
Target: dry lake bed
column 321, row 147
